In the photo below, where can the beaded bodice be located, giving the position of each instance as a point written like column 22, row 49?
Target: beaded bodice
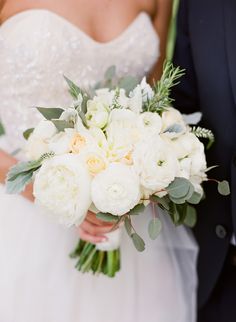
column 38, row 46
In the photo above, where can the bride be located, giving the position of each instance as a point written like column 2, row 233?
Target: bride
column 39, row 42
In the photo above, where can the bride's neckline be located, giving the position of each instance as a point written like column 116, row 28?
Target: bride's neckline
column 123, row 33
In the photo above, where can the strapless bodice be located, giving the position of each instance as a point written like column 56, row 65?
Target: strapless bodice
column 39, row 46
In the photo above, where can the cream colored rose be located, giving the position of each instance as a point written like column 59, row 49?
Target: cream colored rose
column 62, row 186
column 77, row 143
column 97, row 113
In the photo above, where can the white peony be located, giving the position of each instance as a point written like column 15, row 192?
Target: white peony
column 173, row 124
column 97, row 112
column 156, row 164
column 116, row 190
column 38, row 142
column 62, row 186
column 150, row 123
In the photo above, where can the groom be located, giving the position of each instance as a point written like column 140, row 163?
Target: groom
column 206, row 48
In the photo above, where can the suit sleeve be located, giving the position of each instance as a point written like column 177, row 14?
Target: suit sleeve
column 185, row 94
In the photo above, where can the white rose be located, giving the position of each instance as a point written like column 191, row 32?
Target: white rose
column 150, row 123
column 95, row 159
column 156, row 164
column 62, row 186
column 116, row 190
column 38, row 142
column 173, row 124
column 97, row 113
column 60, row 143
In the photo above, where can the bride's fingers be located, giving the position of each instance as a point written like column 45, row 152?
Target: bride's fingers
column 90, row 238
column 95, row 230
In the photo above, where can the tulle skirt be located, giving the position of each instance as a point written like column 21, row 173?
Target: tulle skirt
column 38, row 282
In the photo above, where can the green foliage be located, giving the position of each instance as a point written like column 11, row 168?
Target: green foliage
column 162, row 88
column 27, row 133
column 154, row 228
column 204, row 133
column 128, row 226
column 107, row 217
column 137, row 209
column 50, row 113
column 61, row 125
column 2, row 130
column 138, row 242
column 224, row 188
column 191, row 216
column 74, row 90
column 180, row 190
column 162, row 202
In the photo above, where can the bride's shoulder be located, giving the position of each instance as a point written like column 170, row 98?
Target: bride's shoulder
column 149, row 6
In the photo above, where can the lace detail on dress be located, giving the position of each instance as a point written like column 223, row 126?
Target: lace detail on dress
column 38, row 47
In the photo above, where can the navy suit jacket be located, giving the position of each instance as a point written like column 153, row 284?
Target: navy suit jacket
column 206, row 48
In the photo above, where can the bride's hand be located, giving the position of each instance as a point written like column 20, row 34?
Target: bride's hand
column 93, row 229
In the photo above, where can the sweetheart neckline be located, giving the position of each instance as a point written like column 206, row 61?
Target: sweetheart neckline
column 74, row 26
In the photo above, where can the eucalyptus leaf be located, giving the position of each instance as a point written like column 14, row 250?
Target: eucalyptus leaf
column 154, row 228
column 175, row 128
column 179, row 188
column 50, row 113
column 22, row 167
column 128, row 226
column 195, row 198
column 27, row 133
column 138, row 242
column 164, row 201
column 110, row 73
column 173, row 212
column 191, row 217
column 137, row 209
column 128, row 83
column 74, row 90
column 107, row 217
column 2, row 130
column 224, row 188
column 61, row 125
column 20, row 182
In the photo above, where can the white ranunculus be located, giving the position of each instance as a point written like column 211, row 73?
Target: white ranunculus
column 60, row 143
column 62, row 186
column 116, row 190
column 156, row 163
column 97, row 112
column 38, row 142
column 173, row 124
column 150, row 123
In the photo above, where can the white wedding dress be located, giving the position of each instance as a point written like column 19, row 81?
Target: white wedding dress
column 38, row 282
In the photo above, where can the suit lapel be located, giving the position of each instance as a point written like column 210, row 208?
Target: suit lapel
column 230, row 36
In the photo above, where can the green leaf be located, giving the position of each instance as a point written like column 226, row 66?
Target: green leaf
column 138, row 242
column 182, row 212
column 128, row 226
column 61, row 125
column 191, row 217
column 175, row 128
column 22, row 167
column 2, row 131
column 224, row 188
column 110, row 73
column 74, row 90
column 195, row 198
column 180, row 188
column 50, row 113
column 174, row 214
column 128, row 83
column 83, row 118
column 107, row 217
column 27, row 133
column 154, row 228
column 137, row 210
column 164, row 201
column 18, row 185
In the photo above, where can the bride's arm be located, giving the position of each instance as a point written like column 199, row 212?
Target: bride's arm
column 6, row 162
column 161, row 23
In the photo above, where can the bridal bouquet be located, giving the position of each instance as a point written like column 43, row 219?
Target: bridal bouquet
column 119, row 148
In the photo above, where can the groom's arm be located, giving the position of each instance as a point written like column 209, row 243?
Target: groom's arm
column 186, row 93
